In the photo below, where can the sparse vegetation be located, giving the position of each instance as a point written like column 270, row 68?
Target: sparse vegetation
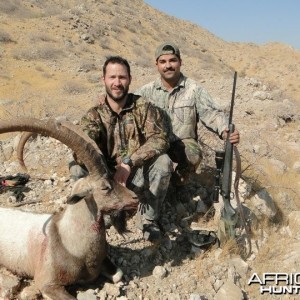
column 105, row 43
column 73, row 88
column 40, row 36
column 48, row 70
column 44, row 53
column 9, row 6
column 5, row 37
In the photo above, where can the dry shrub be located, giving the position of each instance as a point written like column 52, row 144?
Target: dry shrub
column 42, row 53
column 115, row 28
column 94, row 77
column 36, row 37
column 76, row 11
column 15, row 8
column 97, row 30
column 47, row 75
column 52, row 10
column 42, row 108
column 287, row 181
column 9, row 6
column 106, row 10
column 269, row 253
column 87, row 67
column 230, row 248
column 25, row 108
column 143, row 57
column 5, row 37
column 131, row 27
column 136, row 42
column 105, row 43
column 144, row 62
column 4, row 75
column 44, row 73
column 73, row 88
column 65, row 17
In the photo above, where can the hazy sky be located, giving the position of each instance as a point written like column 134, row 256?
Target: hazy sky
column 257, row 21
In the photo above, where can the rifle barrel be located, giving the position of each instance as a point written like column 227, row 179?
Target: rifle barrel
column 232, row 98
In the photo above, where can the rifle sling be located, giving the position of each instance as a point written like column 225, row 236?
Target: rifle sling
column 236, row 192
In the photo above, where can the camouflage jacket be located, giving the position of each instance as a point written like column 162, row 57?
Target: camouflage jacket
column 137, row 132
column 185, row 105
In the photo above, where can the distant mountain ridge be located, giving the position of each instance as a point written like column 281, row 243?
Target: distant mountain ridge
column 54, row 48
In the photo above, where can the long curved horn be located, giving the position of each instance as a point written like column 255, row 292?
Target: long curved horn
column 20, row 148
column 67, row 133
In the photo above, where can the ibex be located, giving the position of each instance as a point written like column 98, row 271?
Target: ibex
column 69, row 246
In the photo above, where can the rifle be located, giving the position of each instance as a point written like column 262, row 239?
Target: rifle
column 224, row 177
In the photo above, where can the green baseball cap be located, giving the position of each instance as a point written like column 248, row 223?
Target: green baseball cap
column 167, row 48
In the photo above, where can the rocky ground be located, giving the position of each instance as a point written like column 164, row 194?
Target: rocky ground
column 177, row 268
column 170, row 270
column 50, row 63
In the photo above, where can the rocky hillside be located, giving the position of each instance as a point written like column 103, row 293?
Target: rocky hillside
column 53, row 51
column 50, row 64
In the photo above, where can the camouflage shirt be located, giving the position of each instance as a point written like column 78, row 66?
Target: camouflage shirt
column 185, row 105
column 137, row 132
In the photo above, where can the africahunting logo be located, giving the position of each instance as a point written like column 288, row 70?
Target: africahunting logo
column 277, row 283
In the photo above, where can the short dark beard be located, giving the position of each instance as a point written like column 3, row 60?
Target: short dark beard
column 117, row 99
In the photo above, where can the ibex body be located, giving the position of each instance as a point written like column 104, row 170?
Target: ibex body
column 69, row 246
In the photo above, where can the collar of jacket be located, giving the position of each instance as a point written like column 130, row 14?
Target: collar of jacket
column 181, row 83
column 129, row 105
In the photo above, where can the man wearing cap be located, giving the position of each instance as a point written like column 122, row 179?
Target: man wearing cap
column 184, row 102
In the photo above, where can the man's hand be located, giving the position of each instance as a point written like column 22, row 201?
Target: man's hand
column 234, row 137
column 122, row 174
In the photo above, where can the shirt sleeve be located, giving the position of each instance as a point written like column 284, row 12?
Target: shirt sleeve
column 210, row 112
column 155, row 133
column 91, row 124
column 146, row 91
column 140, row 91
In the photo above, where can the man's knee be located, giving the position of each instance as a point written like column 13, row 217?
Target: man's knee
column 164, row 164
column 193, row 152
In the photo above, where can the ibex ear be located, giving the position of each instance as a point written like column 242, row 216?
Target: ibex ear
column 105, row 185
column 73, row 199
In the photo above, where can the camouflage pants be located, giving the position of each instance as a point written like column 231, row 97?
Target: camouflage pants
column 150, row 182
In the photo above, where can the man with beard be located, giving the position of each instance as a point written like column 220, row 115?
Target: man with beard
column 184, row 102
column 130, row 133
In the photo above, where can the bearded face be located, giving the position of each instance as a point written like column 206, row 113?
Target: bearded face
column 117, row 81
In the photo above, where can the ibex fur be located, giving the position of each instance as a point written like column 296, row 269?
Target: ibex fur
column 69, row 246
